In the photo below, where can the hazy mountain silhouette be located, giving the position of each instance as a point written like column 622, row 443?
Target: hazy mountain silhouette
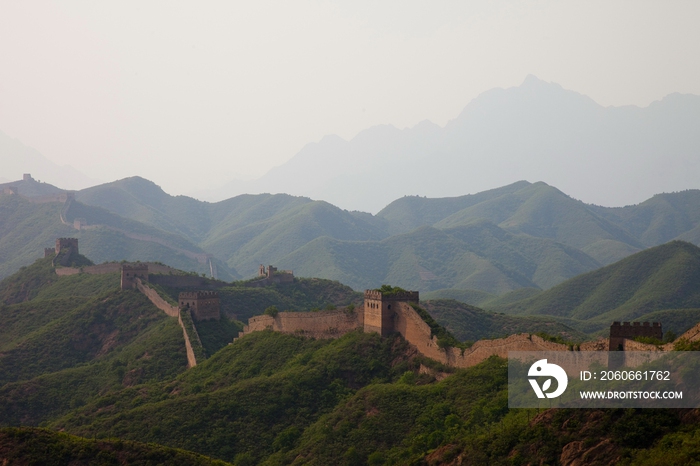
column 603, row 155
column 17, row 159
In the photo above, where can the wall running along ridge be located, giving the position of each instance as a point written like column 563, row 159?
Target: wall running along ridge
column 334, row 324
column 172, row 311
column 406, row 321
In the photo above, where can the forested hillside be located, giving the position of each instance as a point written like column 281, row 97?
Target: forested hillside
column 79, row 355
column 659, row 283
column 524, row 235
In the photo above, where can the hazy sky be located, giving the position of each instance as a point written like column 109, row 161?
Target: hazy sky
column 190, row 94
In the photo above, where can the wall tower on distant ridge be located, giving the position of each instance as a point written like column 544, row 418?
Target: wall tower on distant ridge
column 272, row 275
column 379, row 315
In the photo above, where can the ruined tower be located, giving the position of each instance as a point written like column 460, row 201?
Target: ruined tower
column 130, row 272
column 66, row 250
column 67, row 243
column 379, row 315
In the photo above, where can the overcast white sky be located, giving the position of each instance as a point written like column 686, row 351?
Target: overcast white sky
column 190, row 94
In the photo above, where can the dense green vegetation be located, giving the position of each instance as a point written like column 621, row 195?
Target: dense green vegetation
column 245, row 398
column 73, row 338
column 521, row 235
column 25, row 230
column 215, row 334
column 660, row 278
column 469, row 323
column 40, row 446
column 77, row 354
column 304, row 294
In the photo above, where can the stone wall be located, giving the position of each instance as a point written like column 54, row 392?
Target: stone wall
column 333, row 324
column 189, row 340
column 601, row 344
column 417, row 333
column 693, row 334
column 322, row 324
column 172, row 311
column 160, row 303
column 65, row 271
column 631, row 345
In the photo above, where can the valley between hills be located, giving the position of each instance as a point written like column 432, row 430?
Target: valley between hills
column 109, row 371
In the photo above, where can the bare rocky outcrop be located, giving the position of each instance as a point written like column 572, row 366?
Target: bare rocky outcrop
column 578, row 454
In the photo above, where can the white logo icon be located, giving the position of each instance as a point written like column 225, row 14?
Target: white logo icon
column 542, row 369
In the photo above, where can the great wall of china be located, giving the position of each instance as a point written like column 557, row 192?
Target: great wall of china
column 387, row 313
column 383, row 313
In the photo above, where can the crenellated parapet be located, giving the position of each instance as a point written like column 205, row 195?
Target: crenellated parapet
column 631, row 330
column 408, row 296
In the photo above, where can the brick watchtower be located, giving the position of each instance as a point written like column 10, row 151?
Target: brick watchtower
column 379, row 315
column 204, row 305
column 130, row 272
column 620, row 333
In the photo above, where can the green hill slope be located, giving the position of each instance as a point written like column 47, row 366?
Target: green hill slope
column 243, row 231
column 520, row 235
column 25, row 230
column 60, row 330
column 660, row 219
column 41, row 446
column 660, row 278
column 469, row 323
column 251, row 399
column 479, row 256
column 410, row 212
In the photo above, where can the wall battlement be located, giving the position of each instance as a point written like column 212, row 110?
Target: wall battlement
column 631, row 330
